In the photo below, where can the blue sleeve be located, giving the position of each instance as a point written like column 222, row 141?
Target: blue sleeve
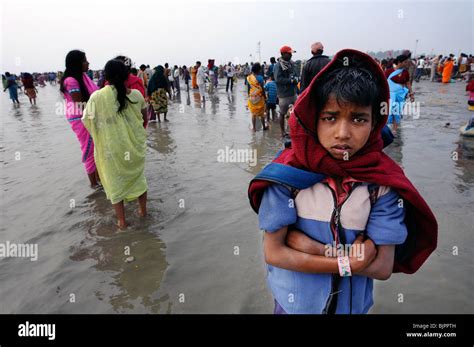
column 277, row 209
column 386, row 224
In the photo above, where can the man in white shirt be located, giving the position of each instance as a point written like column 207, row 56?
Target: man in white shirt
column 176, row 78
column 230, row 70
column 201, row 80
column 419, row 68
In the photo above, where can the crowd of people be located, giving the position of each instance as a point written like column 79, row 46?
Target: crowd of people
column 142, row 95
column 323, row 98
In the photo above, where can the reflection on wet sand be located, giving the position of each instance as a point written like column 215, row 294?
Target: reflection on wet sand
column 137, row 280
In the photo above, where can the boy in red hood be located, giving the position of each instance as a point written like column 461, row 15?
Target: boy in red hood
column 337, row 212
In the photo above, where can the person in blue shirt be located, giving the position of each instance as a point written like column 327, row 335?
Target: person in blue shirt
column 271, row 91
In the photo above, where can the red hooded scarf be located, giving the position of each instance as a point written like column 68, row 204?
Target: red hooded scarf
column 369, row 164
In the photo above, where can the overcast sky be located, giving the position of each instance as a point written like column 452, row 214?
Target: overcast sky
column 37, row 34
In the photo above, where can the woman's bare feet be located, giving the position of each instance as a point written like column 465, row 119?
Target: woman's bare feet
column 122, row 225
column 142, row 205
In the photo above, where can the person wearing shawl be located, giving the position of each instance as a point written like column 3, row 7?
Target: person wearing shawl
column 77, row 88
column 336, row 210
column 158, row 86
column 114, row 117
column 447, row 70
column 256, row 101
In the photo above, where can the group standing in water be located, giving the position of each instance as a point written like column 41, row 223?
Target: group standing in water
column 110, row 122
column 105, row 117
column 110, row 129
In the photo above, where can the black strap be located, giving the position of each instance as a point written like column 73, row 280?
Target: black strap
column 336, row 279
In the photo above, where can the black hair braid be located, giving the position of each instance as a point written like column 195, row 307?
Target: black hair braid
column 116, row 73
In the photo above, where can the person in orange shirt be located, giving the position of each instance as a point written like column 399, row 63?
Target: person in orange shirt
column 447, row 70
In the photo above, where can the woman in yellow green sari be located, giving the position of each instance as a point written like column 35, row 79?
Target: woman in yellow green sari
column 114, row 117
column 256, row 101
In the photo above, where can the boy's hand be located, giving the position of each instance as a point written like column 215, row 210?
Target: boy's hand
column 369, row 252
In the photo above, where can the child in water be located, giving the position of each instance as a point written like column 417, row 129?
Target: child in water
column 337, row 212
column 114, row 116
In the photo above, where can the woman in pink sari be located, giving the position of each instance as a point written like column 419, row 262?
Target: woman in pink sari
column 77, row 87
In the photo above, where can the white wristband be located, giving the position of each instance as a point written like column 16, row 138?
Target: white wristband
column 344, row 266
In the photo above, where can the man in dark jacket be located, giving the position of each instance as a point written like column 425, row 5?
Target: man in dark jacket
column 286, row 80
column 313, row 65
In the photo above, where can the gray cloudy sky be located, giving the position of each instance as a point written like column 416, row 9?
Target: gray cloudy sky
column 37, row 34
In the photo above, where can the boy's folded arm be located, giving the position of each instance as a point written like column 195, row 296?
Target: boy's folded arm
column 386, row 228
column 278, row 254
column 276, row 212
column 303, row 243
column 382, row 266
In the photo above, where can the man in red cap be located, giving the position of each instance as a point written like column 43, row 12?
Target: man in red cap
column 314, row 65
column 286, row 80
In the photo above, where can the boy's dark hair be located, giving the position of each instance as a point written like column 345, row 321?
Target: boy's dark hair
column 350, row 84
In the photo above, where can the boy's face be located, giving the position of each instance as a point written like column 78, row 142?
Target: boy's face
column 344, row 129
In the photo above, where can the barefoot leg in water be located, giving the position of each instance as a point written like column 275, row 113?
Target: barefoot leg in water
column 254, row 123
column 93, row 179
column 120, row 212
column 142, row 205
column 394, row 128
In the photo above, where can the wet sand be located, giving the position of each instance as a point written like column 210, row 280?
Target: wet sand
column 205, row 257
